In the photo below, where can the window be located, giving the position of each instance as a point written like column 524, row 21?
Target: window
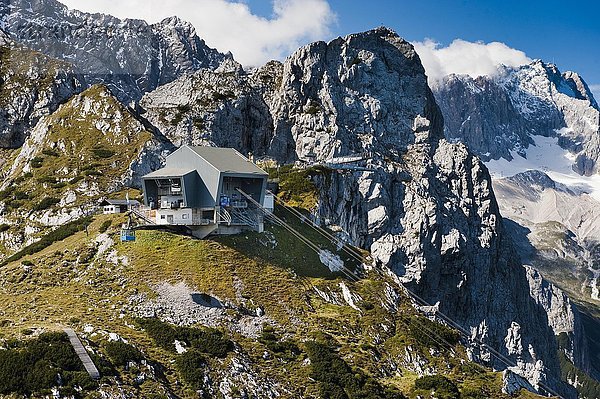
column 184, row 216
column 163, row 216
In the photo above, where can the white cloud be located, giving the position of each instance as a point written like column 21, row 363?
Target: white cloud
column 469, row 58
column 230, row 25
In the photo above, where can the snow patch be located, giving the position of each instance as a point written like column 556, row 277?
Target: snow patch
column 547, row 156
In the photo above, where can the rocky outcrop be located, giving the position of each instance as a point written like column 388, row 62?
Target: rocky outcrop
column 130, row 56
column 89, row 147
column 499, row 114
column 427, row 211
column 223, row 107
column 32, row 85
column 358, row 93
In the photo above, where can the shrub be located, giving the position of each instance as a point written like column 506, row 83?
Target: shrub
column 190, row 366
column 102, row 152
column 92, row 172
column 206, row 340
column 50, row 152
column 337, row 379
column 29, row 367
column 199, row 123
column 121, row 353
column 45, row 203
column 21, row 195
column 37, row 162
column 183, row 108
column 443, row 387
column 163, row 334
column 46, row 179
column 76, row 179
column 435, row 331
column 27, row 263
column 104, row 226
column 285, row 349
column 4, row 227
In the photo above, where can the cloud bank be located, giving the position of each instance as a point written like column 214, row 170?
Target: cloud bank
column 467, row 58
column 230, row 25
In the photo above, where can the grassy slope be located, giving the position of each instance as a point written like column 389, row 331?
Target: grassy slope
column 91, row 142
column 61, row 290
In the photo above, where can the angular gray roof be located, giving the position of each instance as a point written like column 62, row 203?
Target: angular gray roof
column 169, row 172
column 228, row 160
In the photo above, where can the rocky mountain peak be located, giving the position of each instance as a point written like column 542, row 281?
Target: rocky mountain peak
column 498, row 116
column 131, row 56
column 368, row 85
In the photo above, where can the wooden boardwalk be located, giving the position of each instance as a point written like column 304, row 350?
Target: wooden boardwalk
column 89, row 365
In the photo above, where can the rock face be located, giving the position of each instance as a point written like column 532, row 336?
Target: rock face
column 358, row 93
column 495, row 115
column 427, row 211
column 32, row 85
column 130, row 56
column 225, row 107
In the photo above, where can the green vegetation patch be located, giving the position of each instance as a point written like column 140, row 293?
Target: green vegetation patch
column 443, row 387
column 100, row 152
column 296, row 186
column 121, row 353
column 191, row 366
column 336, row 379
column 45, row 203
column 431, row 334
column 33, row 366
column 587, row 387
column 206, row 340
column 285, row 349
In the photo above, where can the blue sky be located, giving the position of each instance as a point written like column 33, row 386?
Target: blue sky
column 566, row 33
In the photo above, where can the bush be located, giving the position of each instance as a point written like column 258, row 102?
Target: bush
column 29, row 367
column 337, row 379
column 438, row 332
column 121, row 353
column 50, row 152
column 207, row 340
column 59, row 234
column 163, row 334
column 4, row 227
column 102, row 153
column 443, row 387
column 21, row 195
column 92, row 172
column 46, row 179
column 76, row 179
column 37, row 162
column 104, row 226
column 285, row 349
column 59, row 185
column 45, row 203
column 190, row 366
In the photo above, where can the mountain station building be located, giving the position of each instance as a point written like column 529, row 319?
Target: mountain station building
column 210, row 190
